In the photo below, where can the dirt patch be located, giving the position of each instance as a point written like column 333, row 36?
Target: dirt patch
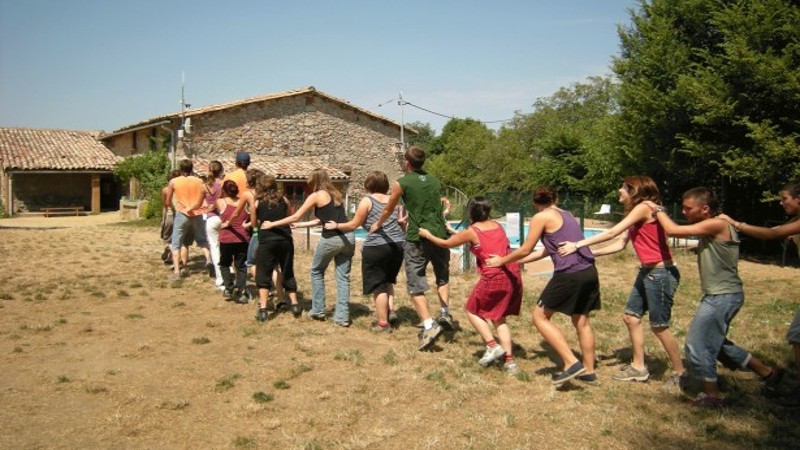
column 99, row 350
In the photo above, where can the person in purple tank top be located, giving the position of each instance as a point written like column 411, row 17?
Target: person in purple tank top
column 574, row 289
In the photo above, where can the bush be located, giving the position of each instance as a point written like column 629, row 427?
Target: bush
column 152, row 171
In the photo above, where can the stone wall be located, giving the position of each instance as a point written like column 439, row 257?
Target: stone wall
column 304, row 125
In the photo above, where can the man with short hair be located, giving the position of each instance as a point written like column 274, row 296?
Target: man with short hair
column 421, row 194
column 723, row 295
column 790, row 201
column 239, row 176
column 187, row 192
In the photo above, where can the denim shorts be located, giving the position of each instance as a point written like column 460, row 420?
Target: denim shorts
column 793, row 336
column 417, row 255
column 654, row 292
column 182, row 224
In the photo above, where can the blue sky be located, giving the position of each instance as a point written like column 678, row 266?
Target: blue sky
column 105, row 64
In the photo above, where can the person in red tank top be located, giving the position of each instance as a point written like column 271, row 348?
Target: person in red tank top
column 498, row 292
column 656, row 282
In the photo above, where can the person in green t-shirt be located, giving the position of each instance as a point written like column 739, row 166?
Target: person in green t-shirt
column 421, row 195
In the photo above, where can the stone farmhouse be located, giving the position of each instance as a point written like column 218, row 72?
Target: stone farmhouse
column 287, row 134
column 44, row 169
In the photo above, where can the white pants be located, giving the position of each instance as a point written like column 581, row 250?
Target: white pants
column 213, row 224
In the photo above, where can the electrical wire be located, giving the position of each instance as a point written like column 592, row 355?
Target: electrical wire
column 405, row 102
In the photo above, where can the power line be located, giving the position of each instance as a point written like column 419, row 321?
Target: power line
column 445, row 115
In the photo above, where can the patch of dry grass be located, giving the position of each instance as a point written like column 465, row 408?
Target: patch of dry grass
column 100, row 350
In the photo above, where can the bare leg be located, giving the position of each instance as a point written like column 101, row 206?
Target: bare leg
column 670, row 345
column 263, row 294
column 421, row 305
column 586, row 340
column 381, row 306
column 503, row 334
column 176, row 261
column 757, row 366
column 444, row 295
column 277, row 281
column 636, row 333
column 481, row 326
column 553, row 336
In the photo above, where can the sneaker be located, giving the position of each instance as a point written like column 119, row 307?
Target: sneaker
column 261, row 316
column 704, row 401
column 244, row 298
column 772, row 381
column 392, row 317
column 175, row 276
column 210, row 268
column 588, row 378
column 511, row 368
column 343, row 324
column 428, row 337
column 316, row 316
column 630, row 373
column 675, row 383
column 446, row 321
column 227, row 294
column 491, row 355
column 572, row 372
column 296, row 311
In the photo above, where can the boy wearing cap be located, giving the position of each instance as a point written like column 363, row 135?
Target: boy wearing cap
column 238, row 176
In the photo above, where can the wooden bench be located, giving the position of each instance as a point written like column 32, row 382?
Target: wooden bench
column 59, row 210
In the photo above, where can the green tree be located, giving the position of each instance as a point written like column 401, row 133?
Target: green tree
column 424, row 137
column 568, row 139
column 463, row 143
column 152, row 170
column 710, row 94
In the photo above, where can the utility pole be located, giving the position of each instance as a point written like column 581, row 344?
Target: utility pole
column 402, row 103
column 402, row 124
column 182, row 129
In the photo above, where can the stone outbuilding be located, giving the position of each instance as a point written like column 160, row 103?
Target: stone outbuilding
column 297, row 128
column 56, row 169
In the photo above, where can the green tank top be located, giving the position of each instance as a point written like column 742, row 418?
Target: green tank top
column 718, row 263
column 422, row 199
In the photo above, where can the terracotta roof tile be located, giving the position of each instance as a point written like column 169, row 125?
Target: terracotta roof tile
column 40, row 149
column 222, row 106
column 289, row 168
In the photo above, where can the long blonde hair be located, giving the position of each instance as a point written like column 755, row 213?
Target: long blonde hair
column 318, row 180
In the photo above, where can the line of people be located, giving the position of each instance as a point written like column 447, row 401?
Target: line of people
column 420, row 236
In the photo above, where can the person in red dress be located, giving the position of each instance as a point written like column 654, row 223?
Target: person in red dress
column 498, row 292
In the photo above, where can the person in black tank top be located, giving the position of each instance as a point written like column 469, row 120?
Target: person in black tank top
column 334, row 245
column 275, row 246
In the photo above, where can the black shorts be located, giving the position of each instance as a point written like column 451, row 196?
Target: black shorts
column 380, row 265
column 573, row 292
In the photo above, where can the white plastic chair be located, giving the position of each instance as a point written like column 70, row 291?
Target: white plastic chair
column 605, row 208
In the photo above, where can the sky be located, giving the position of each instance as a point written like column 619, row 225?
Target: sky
column 103, row 65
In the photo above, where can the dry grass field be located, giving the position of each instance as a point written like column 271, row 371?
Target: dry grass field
column 99, row 350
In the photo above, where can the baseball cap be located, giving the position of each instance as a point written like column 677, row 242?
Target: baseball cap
column 243, row 158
